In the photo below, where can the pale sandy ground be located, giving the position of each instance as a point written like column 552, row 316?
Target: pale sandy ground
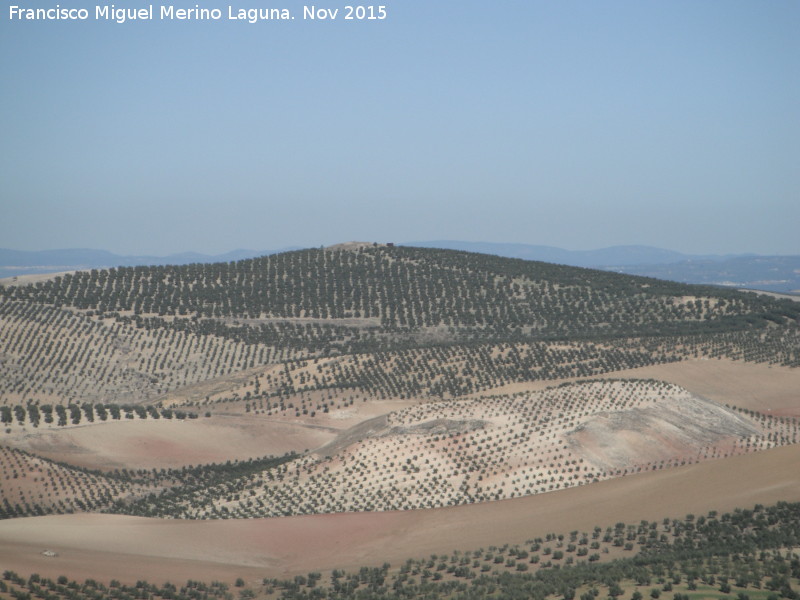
column 172, row 443
column 131, row 548
column 147, row 444
column 33, row 277
column 794, row 295
column 766, row 388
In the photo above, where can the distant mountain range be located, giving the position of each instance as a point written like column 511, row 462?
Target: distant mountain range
column 23, row 262
column 779, row 274
column 769, row 273
column 614, row 255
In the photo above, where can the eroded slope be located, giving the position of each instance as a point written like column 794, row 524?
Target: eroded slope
column 464, row 451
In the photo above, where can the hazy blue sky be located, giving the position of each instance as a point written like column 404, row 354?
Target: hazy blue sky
column 574, row 124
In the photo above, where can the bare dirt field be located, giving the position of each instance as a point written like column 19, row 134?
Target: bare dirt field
column 173, row 443
column 35, row 277
column 168, row 443
column 766, row 388
column 131, row 548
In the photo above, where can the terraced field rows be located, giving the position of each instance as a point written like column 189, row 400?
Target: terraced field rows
column 459, row 370
column 50, row 355
column 36, row 486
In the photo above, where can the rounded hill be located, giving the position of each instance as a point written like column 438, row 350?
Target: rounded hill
column 363, row 297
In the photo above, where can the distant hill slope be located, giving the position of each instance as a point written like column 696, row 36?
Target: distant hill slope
column 415, row 295
column 48, row 355
column 769, row 273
